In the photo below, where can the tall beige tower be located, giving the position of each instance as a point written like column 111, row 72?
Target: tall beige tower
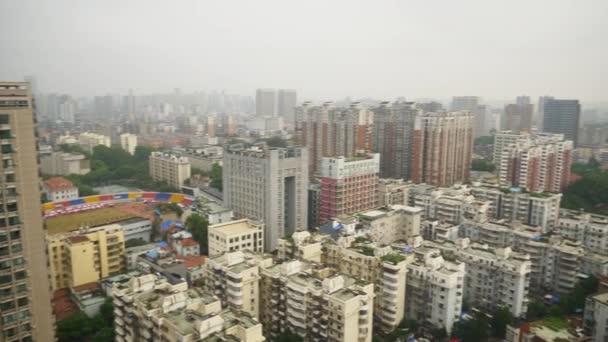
column 24, row 280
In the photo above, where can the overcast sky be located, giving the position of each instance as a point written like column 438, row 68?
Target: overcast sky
column 324, row 49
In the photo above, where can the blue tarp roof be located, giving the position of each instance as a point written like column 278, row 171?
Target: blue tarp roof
column 152, row 254
column 166, row 224
column 162, row 244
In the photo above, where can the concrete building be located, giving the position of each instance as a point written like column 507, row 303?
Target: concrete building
column 314, row 205
column 329, row 131
column 128, row 142
column 59, row 189
column 136, row 228
column 64, row 164
column 394, row 138
column 203, row 157
column 85, row 256
column 234, row 278
column 386, row 225
column 88, row 141
column 236, row 235
column 518, row 116
column 25, row 275
column 348, row 185
column 392, row 192
column 479, row 112
column 596, row 317
column 286, row 105
column 148, row 307
column 265, row 102
column 213, row 211
column 434, row 289
column 169, row 168
column 302, row 246
column 590, row 229
column 536, row 162
column 562, row 117
column 270, row 185
column 442, row 148
column 494, row 278
column 315, row 304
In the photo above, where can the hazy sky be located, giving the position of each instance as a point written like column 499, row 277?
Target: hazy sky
column 324, row 49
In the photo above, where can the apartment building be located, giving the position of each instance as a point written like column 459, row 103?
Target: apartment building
column 234, row 278
column 596, row 317
column 392, row 191
column 495, row 277
column 302, row 246
column 59, row 189
column 236, row 235
column 148, row 307
column 590, row 229
column 64, row 164
column 536, row 162
column 24, row 279
column 348, row 185
column 381, row 266
column 85, row 256
column 316, row 304
column 268, row 184
column 329, row 131
column 169, row 168
column 88, row 141
column 442, row 148
column 390, row 224
column 394, row 138
column 518, row 117
column 128, row 142
column 434, row 289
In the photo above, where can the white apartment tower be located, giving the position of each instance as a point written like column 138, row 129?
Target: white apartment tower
column 268, row 184
column 169, row 168
column 128, row 142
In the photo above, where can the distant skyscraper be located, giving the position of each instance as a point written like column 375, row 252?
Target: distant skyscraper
column 393, row 138
column 26, row 309
column 562, row 116
column 540, row 113
column 265, row 102
column 430, row 107
column 329, row 131
column 518, row 116
column 479, row 112
column 288, row 99
column 270, row 185
column 443, row 147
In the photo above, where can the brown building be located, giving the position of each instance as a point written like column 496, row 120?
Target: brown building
column 393, row 138
column 518, row 117
column 24, row 280
column 442, row 148
column 328, row 131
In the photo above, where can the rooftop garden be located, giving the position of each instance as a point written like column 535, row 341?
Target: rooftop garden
column 393, row 258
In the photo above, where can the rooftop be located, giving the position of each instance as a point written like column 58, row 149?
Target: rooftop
column 58, row 184
column 234, row 227
column 92, row 218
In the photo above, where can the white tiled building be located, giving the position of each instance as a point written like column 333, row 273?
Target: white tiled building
column 236, row 235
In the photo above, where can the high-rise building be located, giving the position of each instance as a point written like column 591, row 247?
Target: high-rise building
column 27, row 314
column 128, row 142
column 328, row 131
column 394, row 138
column 562, row 116
column 268, row 184
column 518, row 116
column 540, row 113
column 442, row 148
column 479, row 112
column 265, row 102
column 536, row 162
column 287, row 102
column 169, row 168
column 348, row 185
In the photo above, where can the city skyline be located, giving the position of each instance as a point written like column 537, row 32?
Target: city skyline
column 465, row 48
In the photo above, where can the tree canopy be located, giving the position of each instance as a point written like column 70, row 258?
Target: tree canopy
column 276, row 141
column 80, row 327
column 482, row 165
column 591, row 191
column 485, row 140
column 216, row 177
column 198, row 226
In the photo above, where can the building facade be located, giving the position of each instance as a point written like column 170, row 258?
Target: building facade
column 268, row 184
column 128, row 142
column 59, row 189
column 64, row 164
column 24, row 275
column 265, row 102
column 442, row 148
column 236, row 235
column 169, row 168
column 348, row 185
column 88, row 141
column 562, row 117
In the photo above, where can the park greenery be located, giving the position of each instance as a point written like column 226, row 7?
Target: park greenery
column 590, row 192
column 484, row 140
column 80, row 327
column 113, row 165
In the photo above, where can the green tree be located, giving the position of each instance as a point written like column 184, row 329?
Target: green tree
column 472, row 330
column 536, row 310
column 501, row 317
column 198, row 226
column 482, row 165
column 485, row 140
column 142, row 153
column 288, row 336
column 276, row 141
column 135, row 242
column 216, row 177
column 74, row 328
